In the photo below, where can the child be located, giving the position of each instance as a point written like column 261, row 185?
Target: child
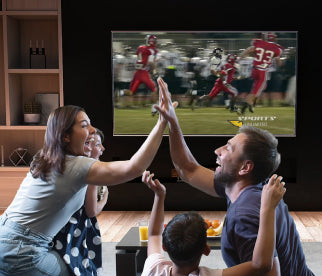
column 185, row 237
column 82, row 230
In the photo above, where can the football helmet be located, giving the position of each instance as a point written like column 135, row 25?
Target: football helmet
column 151, row 40
column 231, row 58
column 217, row 52
column 269, row 36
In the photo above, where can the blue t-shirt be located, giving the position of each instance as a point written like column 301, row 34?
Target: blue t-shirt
column 241, row 227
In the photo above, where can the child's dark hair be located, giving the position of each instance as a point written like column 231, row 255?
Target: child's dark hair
column 185, row 238
column 101, row 134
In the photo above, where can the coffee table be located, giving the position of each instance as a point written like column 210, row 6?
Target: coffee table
column 131, row 253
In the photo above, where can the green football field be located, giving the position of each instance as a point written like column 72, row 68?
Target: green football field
column 278, row 120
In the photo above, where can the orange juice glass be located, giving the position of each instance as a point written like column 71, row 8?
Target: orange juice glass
column 143, row 230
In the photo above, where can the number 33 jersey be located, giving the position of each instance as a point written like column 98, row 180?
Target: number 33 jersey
column 265, row 52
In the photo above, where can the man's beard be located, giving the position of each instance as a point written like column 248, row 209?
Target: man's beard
column 226, row 179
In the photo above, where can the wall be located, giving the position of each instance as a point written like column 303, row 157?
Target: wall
column 87, row 82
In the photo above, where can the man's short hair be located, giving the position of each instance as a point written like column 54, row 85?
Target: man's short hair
column 261, row 148
column 185, row 238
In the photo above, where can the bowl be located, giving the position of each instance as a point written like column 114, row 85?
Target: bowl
column 32, row 118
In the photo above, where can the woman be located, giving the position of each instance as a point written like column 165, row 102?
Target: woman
column 55, row 188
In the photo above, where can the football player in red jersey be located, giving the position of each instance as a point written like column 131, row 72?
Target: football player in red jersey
column 265, row 50
column 146, row 56
column 226, row 74
column 145, row 64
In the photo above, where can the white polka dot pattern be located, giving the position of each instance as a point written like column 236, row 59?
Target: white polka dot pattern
column 74, row 252
column 67, row 259
column 97, row 240
column 79, row 243
column 77, row 232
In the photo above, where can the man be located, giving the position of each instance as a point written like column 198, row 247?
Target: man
column 216, row 60
column 124, row 68
column 226, row 74
column 265, row 51
column 244, row 164
column 145, row 64
column 185, row 237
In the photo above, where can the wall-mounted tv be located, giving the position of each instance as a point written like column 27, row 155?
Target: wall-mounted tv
column 220, row 79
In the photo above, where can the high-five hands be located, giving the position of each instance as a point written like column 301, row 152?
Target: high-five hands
column 166, row 106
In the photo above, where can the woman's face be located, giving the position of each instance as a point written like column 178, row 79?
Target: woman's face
column 97, row 147
column 79, row 141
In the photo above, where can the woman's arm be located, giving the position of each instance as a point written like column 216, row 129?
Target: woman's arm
column 112, row 173
column 262, row 261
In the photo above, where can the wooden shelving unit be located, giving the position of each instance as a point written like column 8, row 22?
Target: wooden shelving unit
column 22, row 22
column 10, row 179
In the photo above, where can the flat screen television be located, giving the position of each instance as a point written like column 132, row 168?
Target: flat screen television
column 192, row 63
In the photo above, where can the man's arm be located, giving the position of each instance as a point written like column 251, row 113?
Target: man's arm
column 186, row 165
column 157, row 214
column 116, row 172
column 279, row 62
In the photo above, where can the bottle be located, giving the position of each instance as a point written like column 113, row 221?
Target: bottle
column 31, row 52
column 37, row 48
column 30, row 48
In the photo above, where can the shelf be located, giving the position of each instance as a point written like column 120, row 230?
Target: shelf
column 30, row 138
column 31, row 5
column 13, row 169
column 25, row 86
column 10, row 180
column 25, row 79
column 25, row 31
column 32, row 15
column 2, row 77
column 33, row 71
column 23, row 127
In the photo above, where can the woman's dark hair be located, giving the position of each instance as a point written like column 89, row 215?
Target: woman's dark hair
column 185, row 238
column 52, row 155
column 261, row 148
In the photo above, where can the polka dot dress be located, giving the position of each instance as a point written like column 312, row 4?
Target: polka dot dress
column 79, row 244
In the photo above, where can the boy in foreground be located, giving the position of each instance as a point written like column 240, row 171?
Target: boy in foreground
column 185, row 237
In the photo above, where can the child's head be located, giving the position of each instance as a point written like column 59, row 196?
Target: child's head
column 185, row 238
column 97, row 145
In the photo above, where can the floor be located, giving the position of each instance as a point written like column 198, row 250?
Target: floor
column 114, row 224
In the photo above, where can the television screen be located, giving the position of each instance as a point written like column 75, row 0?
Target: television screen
column 221, row 80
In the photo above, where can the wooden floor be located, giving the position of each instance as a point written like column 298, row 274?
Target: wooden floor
column 115, row 224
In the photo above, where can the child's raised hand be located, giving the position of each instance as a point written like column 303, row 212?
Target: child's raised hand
column 154, row 184
column 273, row 192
